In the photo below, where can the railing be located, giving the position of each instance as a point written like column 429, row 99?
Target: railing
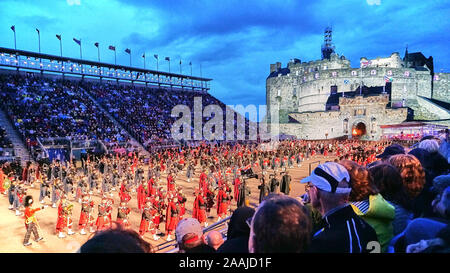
column 314, row 162
column 221, row 225
column 42, row 147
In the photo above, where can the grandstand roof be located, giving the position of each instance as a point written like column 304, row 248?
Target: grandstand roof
column 97, row 64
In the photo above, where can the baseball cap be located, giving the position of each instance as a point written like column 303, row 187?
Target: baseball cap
column 327, row 176
column 391, row 150
column 186, row 226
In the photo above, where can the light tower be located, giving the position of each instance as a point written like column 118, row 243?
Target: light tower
column 327, row 47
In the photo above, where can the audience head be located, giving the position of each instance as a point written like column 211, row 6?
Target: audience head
column 189, row 234
column 440, row 183
column 360, row 181
column 389, row 182
column 430, row 145
column 441, row 205
column 329, row 186
column 281, row 224
column 116, row 240
column 214, row 239
column 238, row 226
column 391, row 150
column 411, row 171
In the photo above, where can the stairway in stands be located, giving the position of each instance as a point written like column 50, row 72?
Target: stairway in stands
column 20, row 149
column 133, row 141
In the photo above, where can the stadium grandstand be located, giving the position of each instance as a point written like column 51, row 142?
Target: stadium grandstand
column 62, row 107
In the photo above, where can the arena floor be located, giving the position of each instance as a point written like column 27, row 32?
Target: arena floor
column 13, row 229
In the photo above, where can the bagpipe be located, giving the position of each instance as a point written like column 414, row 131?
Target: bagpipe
column 68, row 209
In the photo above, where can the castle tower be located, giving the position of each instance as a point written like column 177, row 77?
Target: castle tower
column 327, row 47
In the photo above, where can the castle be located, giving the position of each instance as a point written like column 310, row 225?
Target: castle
column 328, row 98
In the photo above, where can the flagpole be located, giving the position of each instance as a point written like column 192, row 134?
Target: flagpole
column 180, row 67
column 98, row 53
column 14, row 30
column 81, row 55
column 145, row 74
column 60, row 47
column 39, row 40
column 115, row 59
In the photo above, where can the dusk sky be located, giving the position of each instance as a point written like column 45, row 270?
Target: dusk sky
column 235, row 41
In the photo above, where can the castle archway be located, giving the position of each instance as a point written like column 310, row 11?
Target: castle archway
column 359, row 130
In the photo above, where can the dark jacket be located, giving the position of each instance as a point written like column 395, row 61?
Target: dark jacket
column 344, row 232
column 285, row 186
column 238, row 232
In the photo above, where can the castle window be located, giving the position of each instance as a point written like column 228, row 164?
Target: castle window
column 436, row 77
column 345, row 126
column 316, row 75
column 325, row 67
column 278, row 92
column 334, row 73
column 296, row 73
column 389, row 73
column 373, row 72
column 354, row 73
column 407, row 74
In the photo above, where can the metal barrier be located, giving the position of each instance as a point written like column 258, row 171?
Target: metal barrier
column 222, row 225
column 311, row 164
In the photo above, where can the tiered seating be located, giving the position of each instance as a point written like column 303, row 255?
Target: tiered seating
column 6, row 146
column 46, row 108
column 146, row 112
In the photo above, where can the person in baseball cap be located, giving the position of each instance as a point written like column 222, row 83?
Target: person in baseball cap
column 345, row 232
column 391, row 150
column 190, row 238
column 327, row 177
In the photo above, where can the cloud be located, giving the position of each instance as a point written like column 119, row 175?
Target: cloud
column 73, row 2
column 373, row 2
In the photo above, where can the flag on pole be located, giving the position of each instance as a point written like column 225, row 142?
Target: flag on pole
column 180, row 61
column 13, row 28
column 156, row 56
column 58, row 36
column 167, row 59
column 38, row 31
column 387, row 79
column 143, row 55
column 366, row 63
column 96, row 44
column 128, row 51
column 190, row 63
column 112, row 47
column 77, row 41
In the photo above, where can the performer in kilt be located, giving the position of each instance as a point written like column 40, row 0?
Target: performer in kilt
column 86, row 215
column 31, row 223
